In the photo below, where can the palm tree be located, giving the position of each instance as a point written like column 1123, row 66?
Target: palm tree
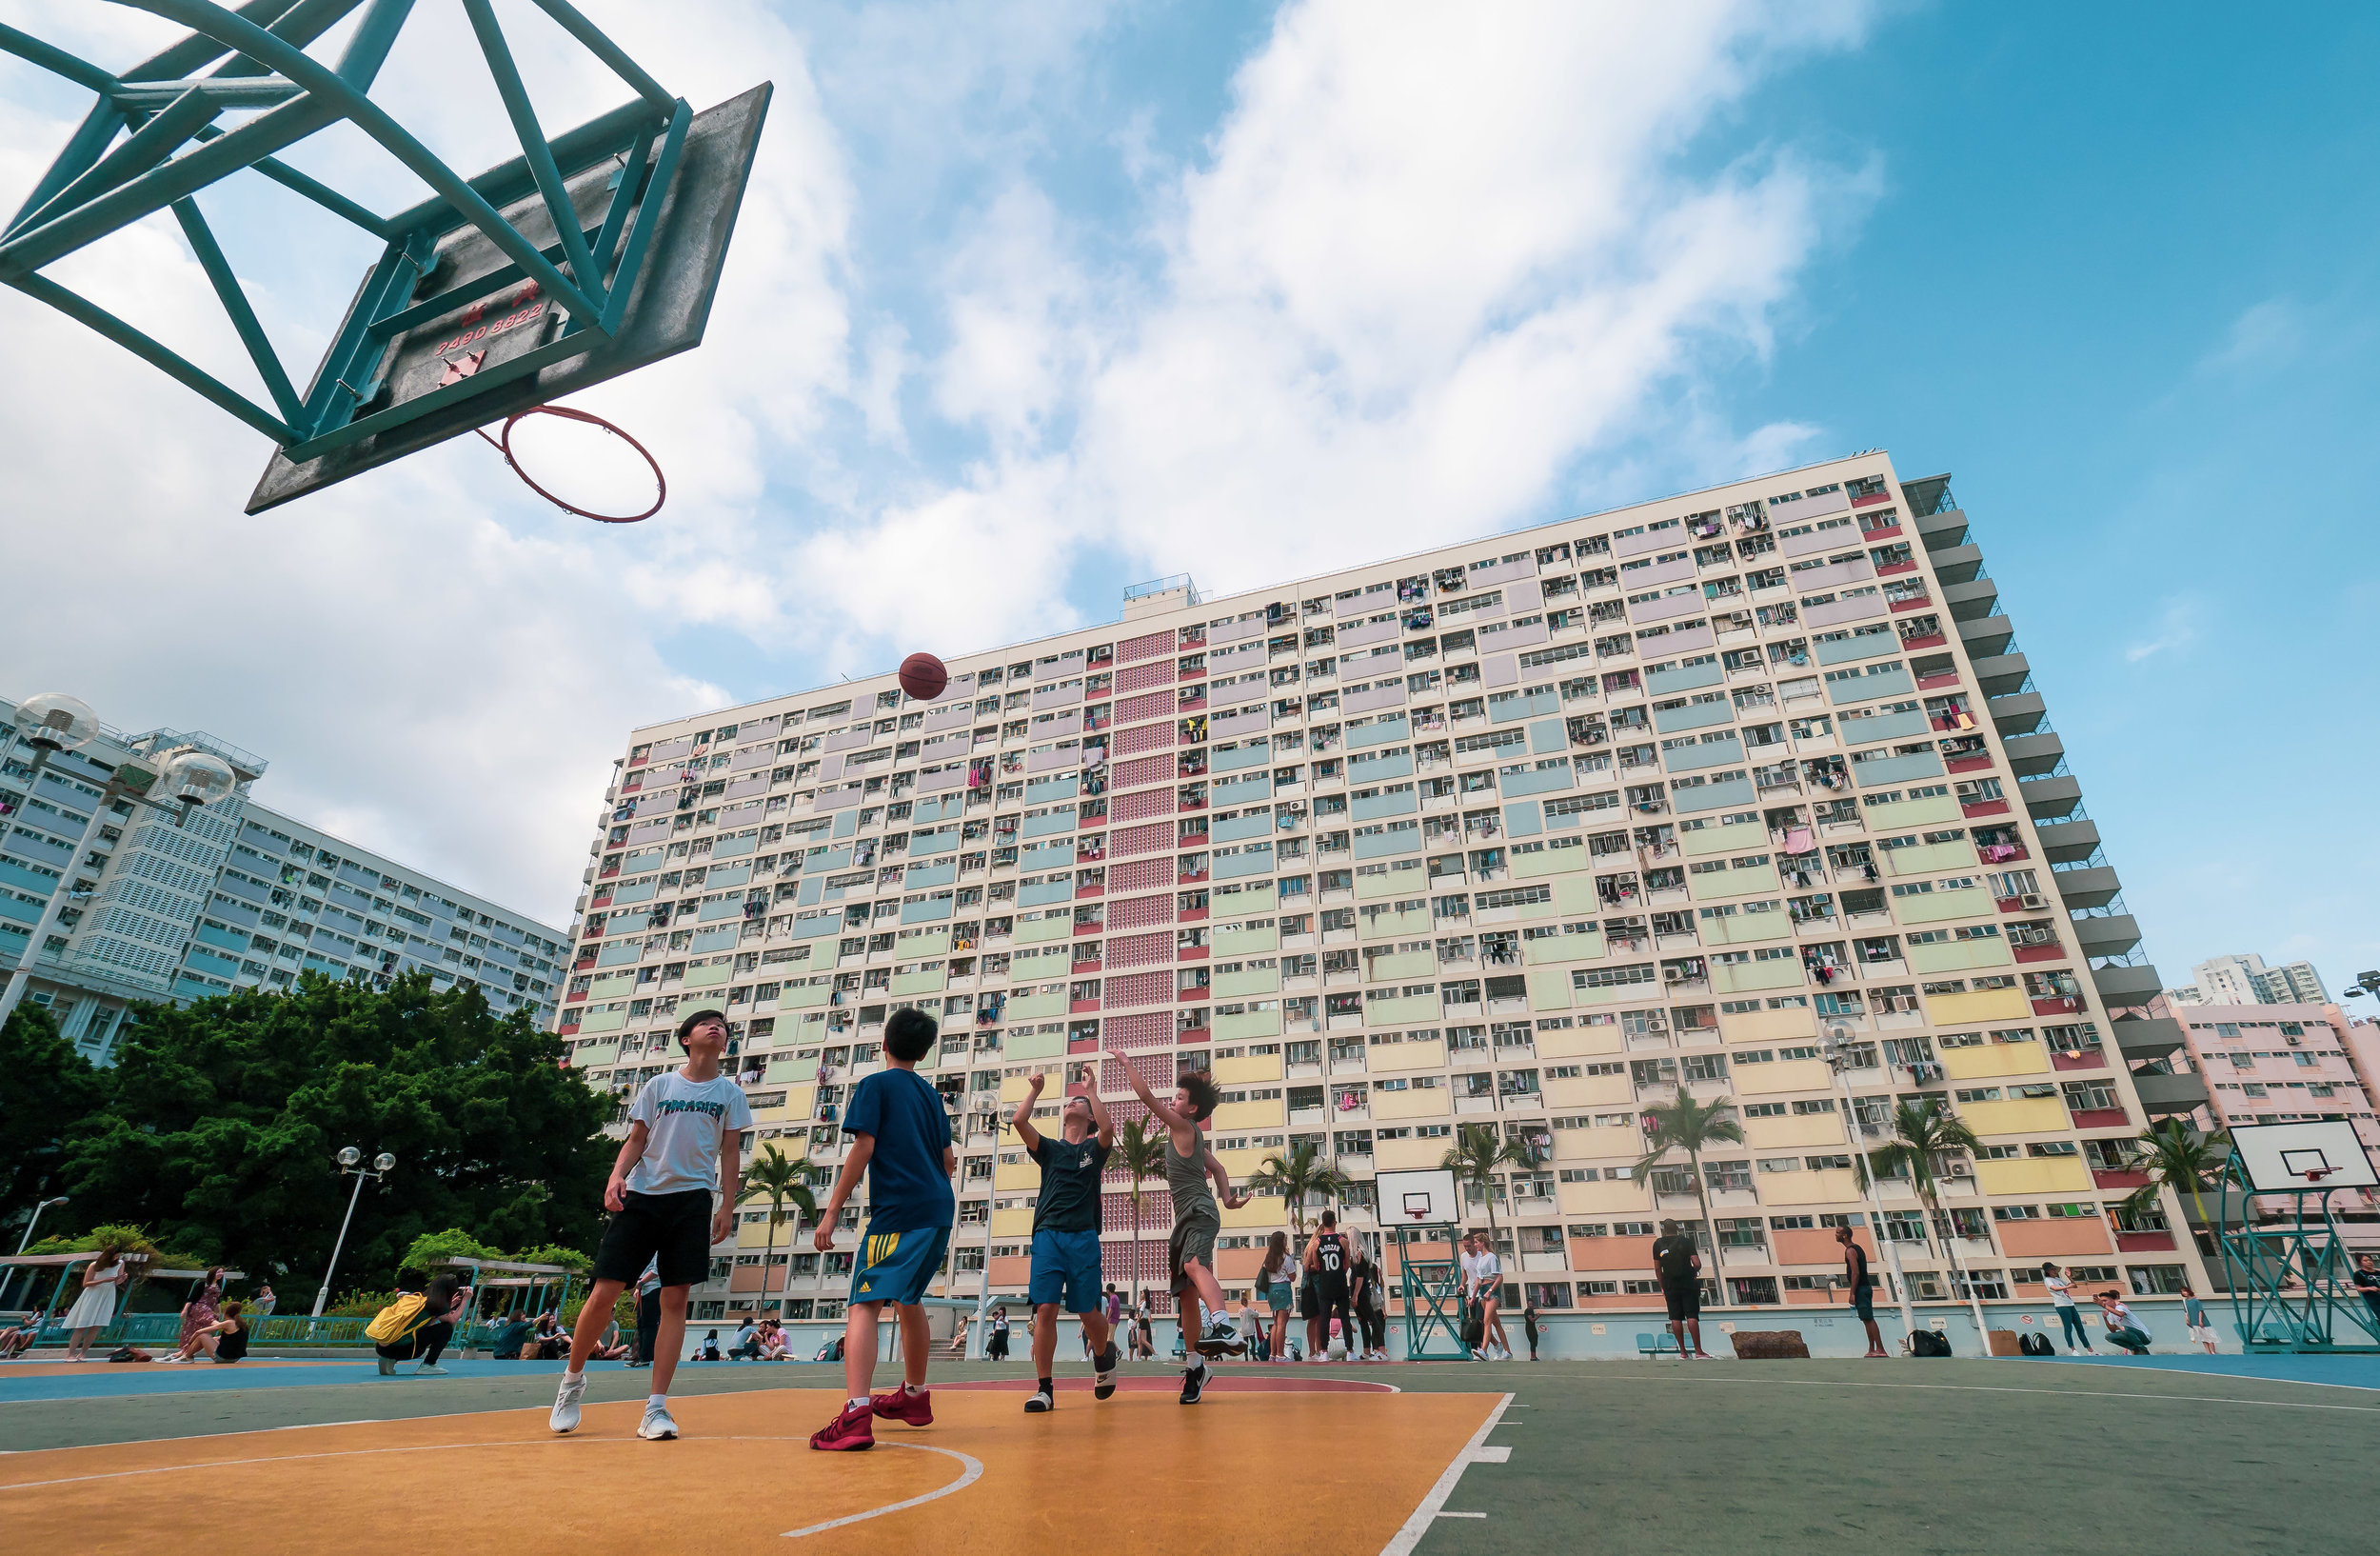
column 1140, row 1152
column 1298, row 1174
column 2176, row 1156
column 1694, row 1126
column 1478, row 1150
column 1925, row 1132
column 783, row 1181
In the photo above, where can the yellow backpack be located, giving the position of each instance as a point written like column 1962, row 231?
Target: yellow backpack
column 397, row 1320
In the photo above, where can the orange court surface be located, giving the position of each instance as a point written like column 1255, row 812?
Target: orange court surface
column 1142, row 1472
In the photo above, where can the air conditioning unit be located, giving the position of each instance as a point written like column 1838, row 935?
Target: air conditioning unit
column 2295, row 1042
column 2032, row 899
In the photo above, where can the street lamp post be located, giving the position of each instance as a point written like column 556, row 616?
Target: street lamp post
column 54, row 722
column 348, row 1157
column 1838, row 1053
column 25, row 1241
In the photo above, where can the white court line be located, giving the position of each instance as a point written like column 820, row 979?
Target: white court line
column 1993, row 1388
column 1403, row 1541
column 1444, row 1513
column 975, row 1472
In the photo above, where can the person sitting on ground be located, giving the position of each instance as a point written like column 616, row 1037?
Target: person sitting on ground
column 776, row 1346
column 2122, row 1329
column 550, row 1339
column 709, row 1349
column 611, row 1345
column 225, row 1340
column 512, row 1336
column 18, row 1339
column 958, row 1334
column 747, row 1345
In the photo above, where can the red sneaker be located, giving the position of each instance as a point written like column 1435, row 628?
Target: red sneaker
column 850, row 1433
column 909, row 1410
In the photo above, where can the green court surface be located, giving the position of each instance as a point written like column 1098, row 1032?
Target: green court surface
column 1612, row 1457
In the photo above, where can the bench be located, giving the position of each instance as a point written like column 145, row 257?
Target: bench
column 1660, row 1342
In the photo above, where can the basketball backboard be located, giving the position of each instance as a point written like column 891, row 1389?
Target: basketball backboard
column 482, row 342
column 1416, row 1197
column 2294, row 1158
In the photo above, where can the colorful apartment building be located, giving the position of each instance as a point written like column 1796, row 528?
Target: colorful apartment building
column 1527, row 832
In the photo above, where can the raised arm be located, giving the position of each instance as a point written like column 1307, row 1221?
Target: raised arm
column 1022, row 1119
column 1101, row 1122
column 1164, row 1111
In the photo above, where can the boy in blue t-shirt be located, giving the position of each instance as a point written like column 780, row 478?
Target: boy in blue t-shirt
column 903, row 1146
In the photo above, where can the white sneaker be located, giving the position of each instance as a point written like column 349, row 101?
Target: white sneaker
column 566, row 1416
column 657, row 1426
column 426, row 1370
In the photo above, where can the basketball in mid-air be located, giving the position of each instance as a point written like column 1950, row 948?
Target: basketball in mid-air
column 923, row 677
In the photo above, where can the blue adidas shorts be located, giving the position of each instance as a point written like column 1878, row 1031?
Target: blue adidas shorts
column 898, row 1266
column 1065, row 1271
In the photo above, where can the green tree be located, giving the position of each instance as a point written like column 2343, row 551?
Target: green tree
column 2176, row 1156
column 1141, row 1153
column 781, row 1180
column 1694, row 1126
column 51, row 1093
column 1477, row 1152
column 1924, row 1136
column 227, row 1115
column 1302, row 1172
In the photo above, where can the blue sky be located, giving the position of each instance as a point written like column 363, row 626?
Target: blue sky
column 1023, row 294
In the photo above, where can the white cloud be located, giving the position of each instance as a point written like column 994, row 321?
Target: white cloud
column 2179, row 619
column 1427, row 277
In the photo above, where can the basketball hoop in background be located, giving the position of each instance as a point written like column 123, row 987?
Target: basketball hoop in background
column 501, row 443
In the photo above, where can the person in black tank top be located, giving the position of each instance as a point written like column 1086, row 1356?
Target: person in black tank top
column 1328, row 1255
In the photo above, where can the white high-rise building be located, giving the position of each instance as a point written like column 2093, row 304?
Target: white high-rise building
column 233, row 896
column 2246, row 980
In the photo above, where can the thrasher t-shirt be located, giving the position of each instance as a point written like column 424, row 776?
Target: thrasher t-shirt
column 1069, row 1201
column 684, row 1120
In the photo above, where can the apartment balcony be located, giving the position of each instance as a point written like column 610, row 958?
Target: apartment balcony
column 2111, row 936
column 2019, row 713
column 2030, row 756
column 2079, row 889
column 2121, row 986
column 2048, row 799
column 1973, row 600
column 2064, row 842
column 1956, row 564
column 2000, row 673
column 2140, row 1039
column 1987, row 638
column 1942, row 532
column 2170, row 1093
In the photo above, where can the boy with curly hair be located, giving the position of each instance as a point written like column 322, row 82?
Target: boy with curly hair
column 1190, row 1253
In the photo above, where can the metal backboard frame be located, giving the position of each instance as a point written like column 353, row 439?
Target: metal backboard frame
column 2292, row 1281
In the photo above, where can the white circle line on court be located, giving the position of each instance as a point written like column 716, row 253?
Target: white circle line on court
column 974, row 1472
column 2005, row 1388
column 359, row 1453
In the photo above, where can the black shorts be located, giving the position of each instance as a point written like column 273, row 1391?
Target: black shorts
column 1684, row 1298
column 676, row 1227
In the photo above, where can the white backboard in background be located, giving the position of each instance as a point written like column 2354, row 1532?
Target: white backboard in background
column 1416, row 1197
column 2279, row 1157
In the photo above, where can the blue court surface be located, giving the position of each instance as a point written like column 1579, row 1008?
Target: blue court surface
column 2334, row 1371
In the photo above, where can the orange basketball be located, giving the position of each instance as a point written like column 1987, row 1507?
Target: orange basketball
column 922, row 677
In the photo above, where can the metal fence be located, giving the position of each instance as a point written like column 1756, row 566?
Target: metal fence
column 154, row 1329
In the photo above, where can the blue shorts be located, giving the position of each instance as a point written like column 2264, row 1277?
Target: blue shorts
column 898, row 1266
column 1065, row 1271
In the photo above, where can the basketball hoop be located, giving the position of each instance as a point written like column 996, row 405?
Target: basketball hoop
column 501, row 443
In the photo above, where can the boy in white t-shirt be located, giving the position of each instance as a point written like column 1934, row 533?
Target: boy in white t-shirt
column 685, row 1130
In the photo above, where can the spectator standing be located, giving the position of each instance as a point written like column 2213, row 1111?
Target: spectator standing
column 1679, row 1266
column 260, row 1306
column 1140, row 1332
column 996, row 1349
column 2062, row 1298
column 1862, row 1287
column 102, row 1281
column 1370, row 1299
column 1529, row 1327
column 2194, row 1317
column 1277, row 1279
column 1113, row 1307
column 1251, row 1333
column 2122, row 1329
column 2368, row 1281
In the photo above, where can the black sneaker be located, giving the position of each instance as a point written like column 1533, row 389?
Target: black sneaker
column 1039, row 1401
column 1109, row 1360
column 1193, row 1383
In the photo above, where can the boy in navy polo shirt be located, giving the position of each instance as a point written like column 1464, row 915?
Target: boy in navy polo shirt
column 902, row 1138
column 1066, row 1234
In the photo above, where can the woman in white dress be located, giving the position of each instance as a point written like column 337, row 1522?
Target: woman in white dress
column 96, row 1307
